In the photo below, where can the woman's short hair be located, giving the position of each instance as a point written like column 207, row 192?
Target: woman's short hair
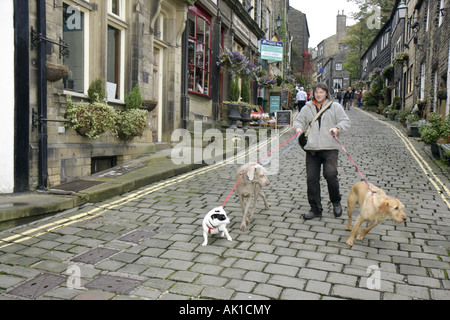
column 323, row 86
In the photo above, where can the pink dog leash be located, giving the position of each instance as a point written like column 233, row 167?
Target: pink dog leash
column 351, row 160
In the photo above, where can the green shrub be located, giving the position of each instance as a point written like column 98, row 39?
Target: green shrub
column 131, row 123
column 97, row 91
column 234, row 89
column 134, row 100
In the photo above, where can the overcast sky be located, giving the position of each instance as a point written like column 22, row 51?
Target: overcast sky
column 321, row 16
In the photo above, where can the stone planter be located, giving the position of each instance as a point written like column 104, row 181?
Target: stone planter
column 149, row 105
column 234, row 114
column 246, row 116
column 435, row 150
column 415, row 132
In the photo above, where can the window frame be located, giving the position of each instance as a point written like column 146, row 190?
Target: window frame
column 196, row 44
column 85, row 29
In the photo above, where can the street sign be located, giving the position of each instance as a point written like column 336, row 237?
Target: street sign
column 284, row 118
column 274, row 103
column 271, row 50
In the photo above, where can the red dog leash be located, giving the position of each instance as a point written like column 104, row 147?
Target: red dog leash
column 351, row 160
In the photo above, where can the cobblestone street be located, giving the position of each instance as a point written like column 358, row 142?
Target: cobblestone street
column 147, row 243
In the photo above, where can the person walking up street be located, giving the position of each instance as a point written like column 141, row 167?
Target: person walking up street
column 322, row 149
column 339, row 95
column 301, row 98
column 359, row 97
column 347, row 99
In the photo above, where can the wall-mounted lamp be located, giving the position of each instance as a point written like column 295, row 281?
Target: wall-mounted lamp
column 442, row 10
column 278, row 21
column 402, row 9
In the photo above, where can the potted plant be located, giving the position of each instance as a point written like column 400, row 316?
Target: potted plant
column 97, row 91
column 246, row 108
column 402, row 116
column 133, row 100
column 444, row 139
column 234, row 110
column 90, row 119
column 401, row 59
column 412, row 125
column 442, row 95
column 431, row 131
column 131, row 123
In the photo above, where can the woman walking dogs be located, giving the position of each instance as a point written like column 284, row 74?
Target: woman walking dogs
column 322, row 149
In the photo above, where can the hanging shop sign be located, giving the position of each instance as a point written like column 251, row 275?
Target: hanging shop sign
column 271, row 50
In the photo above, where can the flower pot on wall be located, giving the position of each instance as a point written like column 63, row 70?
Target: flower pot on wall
column 415, row 132
column 149, row 105
column 56, row 72
column 234, row 114
column 435, row 150
column 246, row 116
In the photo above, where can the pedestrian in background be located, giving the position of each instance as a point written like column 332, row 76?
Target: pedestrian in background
column 339, row 95
column 358, row 96
column 301, row 98
column 346, row 98
column 322, row 150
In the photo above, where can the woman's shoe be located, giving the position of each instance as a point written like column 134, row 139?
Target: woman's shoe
column 337, row 209
column 311, row 215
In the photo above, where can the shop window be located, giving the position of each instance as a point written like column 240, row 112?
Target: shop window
column 74, row 36
column 199, row 52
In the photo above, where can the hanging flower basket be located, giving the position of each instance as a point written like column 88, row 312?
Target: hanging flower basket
column 236, row 63
column 266, row 82
column 401, row 59
column 56, row 72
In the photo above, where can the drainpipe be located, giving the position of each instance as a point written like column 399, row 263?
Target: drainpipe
column 42, row 96
column 184, row 84
column 22, row 96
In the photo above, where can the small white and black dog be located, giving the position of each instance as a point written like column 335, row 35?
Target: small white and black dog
column 214, row 222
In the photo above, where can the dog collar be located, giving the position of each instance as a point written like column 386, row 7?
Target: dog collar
column 210, row 228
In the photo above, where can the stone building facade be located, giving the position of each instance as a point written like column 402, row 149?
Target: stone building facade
column 298, row 24
column 422, row 39
column 167, row 47
column 430, row 42
column 331, row 54
column 125, row 43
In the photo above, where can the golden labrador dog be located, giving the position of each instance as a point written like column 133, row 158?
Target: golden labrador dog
column 374, row 207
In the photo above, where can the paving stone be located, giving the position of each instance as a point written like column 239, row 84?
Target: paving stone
column 217, row 293
column 267, row 290
column 354, row 293
column 8, row 281
column 186, row 289
column 291, row 294
column 423, row 281
column 280, row 256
